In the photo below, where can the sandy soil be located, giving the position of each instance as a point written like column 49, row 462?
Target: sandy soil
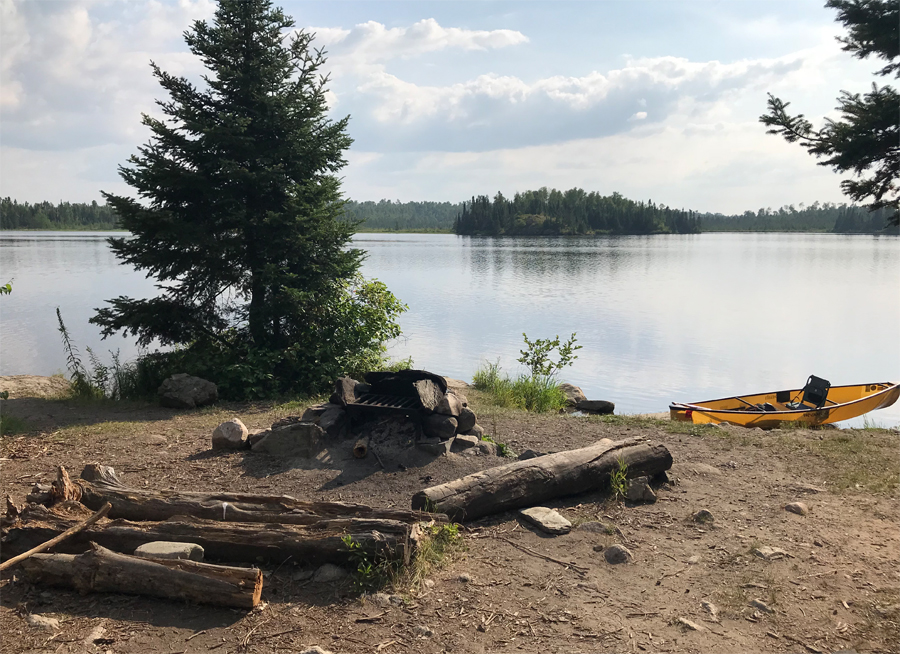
column 837, row 588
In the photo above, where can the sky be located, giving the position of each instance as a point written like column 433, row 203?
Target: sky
column 654, row 99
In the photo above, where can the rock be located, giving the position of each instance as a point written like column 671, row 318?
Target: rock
column 769, row 553
column 163, row 549
column 694, row 560
column 380, row 599
column 430, row 394
column 256, row 435
column 329, row 573
column 464, row 578
column 486, row 448
column 529, row 454
column 618, row 554
column 345, row 391
column 703, row 516
column 435, row 446
column 301, row 439
column 313, row 413
column 574, row 395
column 690, row 624
column 396, row 600
column 231, row 435
column 94, row 634
column 799, row 508
column 335, row 422
column 596, row 527
column 183, row 391
column 449, row 405
column 462, row 398
column 422, row 630
column 465, row 420
column 639, row 490
column 315, row 649
column 439, row 426
column 596, row 406
column 762, row 606
column 712, row 609
column 476, row 430
column 302, row 575
column 546, row 520
column 457, row 384
column 42, row 622
column 462, row 442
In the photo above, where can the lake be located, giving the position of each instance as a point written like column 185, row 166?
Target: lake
column 660, row 318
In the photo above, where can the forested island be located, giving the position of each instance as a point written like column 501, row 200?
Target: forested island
column 541, row 212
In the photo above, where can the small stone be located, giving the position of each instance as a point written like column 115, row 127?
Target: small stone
column 422, row 630
column 464, row 578
column 95, row 634
column 690, row 624
column 710, row 608
column 462, row 442
column 703, row 516
column 231, row 435
column 162, row 549
column 315, row 649
column 596, row 527
column 396, row 600
column 694, row 560
column 429, row 583
column 329, row 573
column 380, row 599
column 546, row 520
column 639, row 490
column 762, row 606
column 42, row 622
column 529, row 454
column 769, row 553
column 618, row 554
column 799, row 508
column 487, row 449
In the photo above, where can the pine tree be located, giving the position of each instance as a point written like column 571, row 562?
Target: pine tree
column 866, row 139
column 238, row 214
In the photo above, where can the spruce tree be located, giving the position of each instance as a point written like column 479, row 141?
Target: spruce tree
column 238, row 217
column 866, row 139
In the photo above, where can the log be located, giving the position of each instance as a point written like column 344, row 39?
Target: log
column 531, row 482
column 361, row 448
column 100, row 484
column 101, row 571
column 313, row 544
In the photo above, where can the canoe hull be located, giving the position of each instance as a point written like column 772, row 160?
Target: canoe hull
column 848, row 402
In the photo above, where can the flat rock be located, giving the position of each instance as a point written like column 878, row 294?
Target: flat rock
column 546, row 520
column 615, row 554
column 315, row 649
column 799, row 508
column 329, row 573
column 183, row 391
column 162, row 549
column 462, row 442
column 302, row 439
column 230, row 435
column 42, row 622
column 769, row 553
column 638, row 490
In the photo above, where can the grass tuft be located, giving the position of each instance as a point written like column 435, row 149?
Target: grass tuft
column 537, row 393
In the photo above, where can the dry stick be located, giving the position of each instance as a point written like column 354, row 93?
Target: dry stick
column 58, row 539
column 576, row 568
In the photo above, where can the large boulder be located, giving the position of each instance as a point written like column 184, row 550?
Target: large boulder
column 439, row 426
column 302, row 439
column 574, row 395
column 430, row 394
column 183, row 391
column 335, row 422
column 231, row 435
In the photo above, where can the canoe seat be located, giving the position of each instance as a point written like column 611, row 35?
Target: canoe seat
column 815, row 394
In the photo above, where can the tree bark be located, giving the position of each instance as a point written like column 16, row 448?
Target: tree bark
column 313, row 544
column 528, row 483
column 100, row 484
column 101, row 571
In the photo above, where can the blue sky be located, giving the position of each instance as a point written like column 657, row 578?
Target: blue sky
column 653, row 99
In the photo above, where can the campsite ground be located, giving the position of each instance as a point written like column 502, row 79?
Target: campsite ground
column 836, row 588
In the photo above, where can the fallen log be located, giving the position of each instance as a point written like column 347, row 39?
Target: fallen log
column 101, row 571
column 100, row 484
column 531, row 482
column 313, row 544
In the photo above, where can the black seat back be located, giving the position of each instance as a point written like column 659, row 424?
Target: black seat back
column 816, row 391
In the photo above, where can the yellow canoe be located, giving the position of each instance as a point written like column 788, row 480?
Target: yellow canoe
column 769, row 410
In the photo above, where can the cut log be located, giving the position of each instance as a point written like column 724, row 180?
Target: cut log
column 533, row 481
column 361, row 449
column 313, row 544
column 99, row 484
column 101, row 571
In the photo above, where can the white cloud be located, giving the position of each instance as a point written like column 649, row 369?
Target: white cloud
column 640, row 115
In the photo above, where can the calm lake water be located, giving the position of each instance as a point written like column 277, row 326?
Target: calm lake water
column 660, row 318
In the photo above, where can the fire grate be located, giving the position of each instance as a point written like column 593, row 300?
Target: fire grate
column 386, row 402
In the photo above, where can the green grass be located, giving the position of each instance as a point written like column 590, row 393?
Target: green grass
column 539, row 394
column 12, row 425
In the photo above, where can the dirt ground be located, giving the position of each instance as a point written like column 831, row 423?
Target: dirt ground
column 837, row 588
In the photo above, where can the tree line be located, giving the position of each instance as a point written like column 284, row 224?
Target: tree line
column 397, row 216
column 549, row 212
column 65, row 215
column 827, row 217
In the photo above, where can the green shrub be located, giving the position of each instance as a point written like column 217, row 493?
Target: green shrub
column 539, row 394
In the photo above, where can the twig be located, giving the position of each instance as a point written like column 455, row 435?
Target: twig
column 199, row 633
column 576, row 568
column 58, row 539
column 279, row 633
column 377, row 458
column 372, row 618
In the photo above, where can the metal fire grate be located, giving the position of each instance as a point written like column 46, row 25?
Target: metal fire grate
column 386, row 402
